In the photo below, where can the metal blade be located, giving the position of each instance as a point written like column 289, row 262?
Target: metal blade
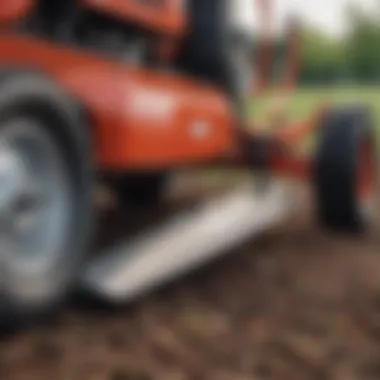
column 189, row 240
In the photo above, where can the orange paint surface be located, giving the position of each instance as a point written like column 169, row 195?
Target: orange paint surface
column 140, row 119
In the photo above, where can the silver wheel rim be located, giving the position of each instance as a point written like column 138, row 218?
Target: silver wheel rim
column 35, row 209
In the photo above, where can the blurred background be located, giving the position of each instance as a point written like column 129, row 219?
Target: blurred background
column 339, row 60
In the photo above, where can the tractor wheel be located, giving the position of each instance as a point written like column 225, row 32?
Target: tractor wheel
column 46, row 186
column 346, row 170
column 140, row 190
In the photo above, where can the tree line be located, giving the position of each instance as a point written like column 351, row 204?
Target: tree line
column 351, row 59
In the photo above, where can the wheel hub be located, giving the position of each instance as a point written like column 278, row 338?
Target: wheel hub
column 20, row 200
column 34, row 203
column 12, row 179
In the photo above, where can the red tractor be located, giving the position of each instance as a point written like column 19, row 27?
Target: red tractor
column 129, row 91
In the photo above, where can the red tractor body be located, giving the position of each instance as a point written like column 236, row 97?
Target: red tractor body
column 139, row 119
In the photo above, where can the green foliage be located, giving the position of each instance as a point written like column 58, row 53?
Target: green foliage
column 363, row 46
column 322, row 57
column 355, row 58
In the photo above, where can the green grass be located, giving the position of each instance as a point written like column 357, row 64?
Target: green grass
column 305, row 101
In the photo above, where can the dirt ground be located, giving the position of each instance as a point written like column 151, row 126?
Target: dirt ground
column 295, row 304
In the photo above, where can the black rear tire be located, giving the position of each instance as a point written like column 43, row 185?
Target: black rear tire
column 344, row 132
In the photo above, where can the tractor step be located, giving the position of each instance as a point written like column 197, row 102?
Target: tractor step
column 185, row 242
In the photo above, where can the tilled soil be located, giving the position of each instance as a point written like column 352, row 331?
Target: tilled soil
column 295, row 304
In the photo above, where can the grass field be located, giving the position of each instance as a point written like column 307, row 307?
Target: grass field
column 303, row 103
column 306, row 100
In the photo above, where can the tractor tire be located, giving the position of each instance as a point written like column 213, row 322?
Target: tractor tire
column 140, row 190
column 345, row 168
column 216, row 52
column 46, row 195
